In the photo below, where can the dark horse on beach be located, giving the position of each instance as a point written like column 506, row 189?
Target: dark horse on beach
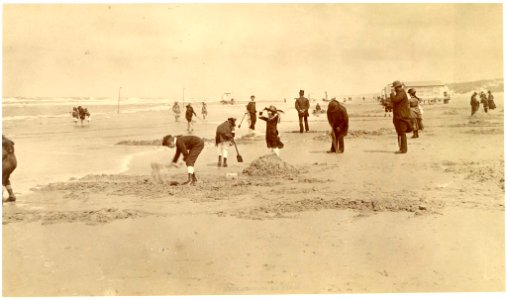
column 9, row 163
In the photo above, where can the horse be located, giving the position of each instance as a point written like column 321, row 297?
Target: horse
column 9, row 163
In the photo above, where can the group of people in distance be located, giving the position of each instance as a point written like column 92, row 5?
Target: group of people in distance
column 80, row 114
column 190, row 146
column 488, row 102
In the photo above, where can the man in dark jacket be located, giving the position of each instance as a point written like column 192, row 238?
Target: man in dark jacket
column 223, row 139
column 252, row 112
column 401, row 115
column 339, row 121
column 302, row 105
column 190, row 147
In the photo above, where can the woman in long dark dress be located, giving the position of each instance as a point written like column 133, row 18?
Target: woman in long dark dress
column 272, row 139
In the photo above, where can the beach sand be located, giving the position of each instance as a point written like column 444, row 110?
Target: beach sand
column 92, row 220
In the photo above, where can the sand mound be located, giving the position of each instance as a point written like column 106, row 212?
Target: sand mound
column 90, row 217
column 271, row 165
column 358, row 133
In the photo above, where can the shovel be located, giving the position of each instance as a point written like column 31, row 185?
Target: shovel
column 239, row 126
column 238, row 157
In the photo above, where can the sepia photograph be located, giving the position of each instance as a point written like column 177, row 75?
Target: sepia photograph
column 179, row 149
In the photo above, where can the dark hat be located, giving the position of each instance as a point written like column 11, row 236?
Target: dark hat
column 301, row 92
column 232, row 119
column 166, row 139
column 397, row 83
column 252, row 96
column 411, row 91
column 188, row 105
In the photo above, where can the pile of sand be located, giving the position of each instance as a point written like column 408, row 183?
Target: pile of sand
column 358, row 133
column 271, row 165
column 90, row 217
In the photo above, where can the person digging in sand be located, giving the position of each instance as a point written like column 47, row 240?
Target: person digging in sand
column 190, row 147
column 224, row 138
column 272, row 139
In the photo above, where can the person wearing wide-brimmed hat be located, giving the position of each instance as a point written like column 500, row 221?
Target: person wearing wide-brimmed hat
column 188, row 115
column 190, row 147
column 338, row 119
column 224, row 138
column 272, row 139
column 416, row 113
column 401, row 115
column 302, row 105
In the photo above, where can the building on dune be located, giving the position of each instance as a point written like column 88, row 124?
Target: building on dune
column 428, row 91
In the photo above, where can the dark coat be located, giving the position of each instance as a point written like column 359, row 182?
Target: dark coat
column 338, row 117
column 303, row 104
column 272, row 139
column 225, row 132
column 251, row 107
column 401, row 106
column 185, row 144
column 188, row 114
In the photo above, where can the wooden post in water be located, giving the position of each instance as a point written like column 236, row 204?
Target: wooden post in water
column 119, row 90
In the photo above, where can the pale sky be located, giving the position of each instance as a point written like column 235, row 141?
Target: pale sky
column 271, row 51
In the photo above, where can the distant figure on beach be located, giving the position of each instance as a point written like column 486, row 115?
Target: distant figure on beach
column 204, row 110
column 474, row 103
column 302, row 105
column 176, row 111
column 188, row 115
column 252, row 112
column 190, row 147
column 272, row 139
column 484, row 101
column 401, row 115
column 338, row 119
column 223, row 139
column 75, row 115
column 9, row 163
column 83, row 114
column 491, row 101
column 416, row 112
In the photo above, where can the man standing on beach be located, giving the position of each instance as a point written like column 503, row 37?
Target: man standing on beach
column 401, row 115
column 484, row 101
column 252, row 113
column 339, row 121
column 190, row 147
column 224, row 138
column 302, row 105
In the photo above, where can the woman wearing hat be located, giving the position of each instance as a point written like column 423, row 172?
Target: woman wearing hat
column 272, row 139
column 415, row 113
column 188, row 115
